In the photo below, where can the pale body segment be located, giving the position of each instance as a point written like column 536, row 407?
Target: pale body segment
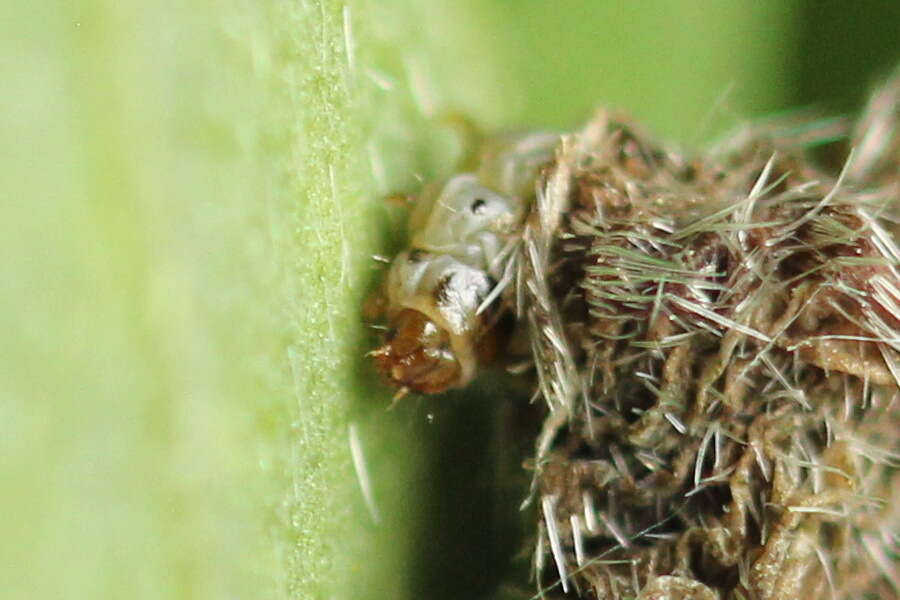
column 461, row 238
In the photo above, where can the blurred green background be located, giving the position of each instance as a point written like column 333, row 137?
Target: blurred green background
column 191, row 200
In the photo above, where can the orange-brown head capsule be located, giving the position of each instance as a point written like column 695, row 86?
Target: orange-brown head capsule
column 417, row 355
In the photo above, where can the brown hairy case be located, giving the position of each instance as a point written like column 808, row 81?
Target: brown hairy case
column 716, row 339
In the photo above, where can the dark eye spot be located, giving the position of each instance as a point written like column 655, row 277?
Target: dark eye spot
column 415, row 256
column 441, row 291
column 478, row 206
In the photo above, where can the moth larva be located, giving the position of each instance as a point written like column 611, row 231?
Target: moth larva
column 459, row 235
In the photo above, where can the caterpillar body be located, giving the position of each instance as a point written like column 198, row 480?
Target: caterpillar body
column 461, row 236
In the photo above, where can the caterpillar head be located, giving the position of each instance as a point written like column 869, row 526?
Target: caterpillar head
column 417, row 355
column 433, row 324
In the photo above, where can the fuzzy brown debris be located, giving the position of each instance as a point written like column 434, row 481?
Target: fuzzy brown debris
column 732, row 324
